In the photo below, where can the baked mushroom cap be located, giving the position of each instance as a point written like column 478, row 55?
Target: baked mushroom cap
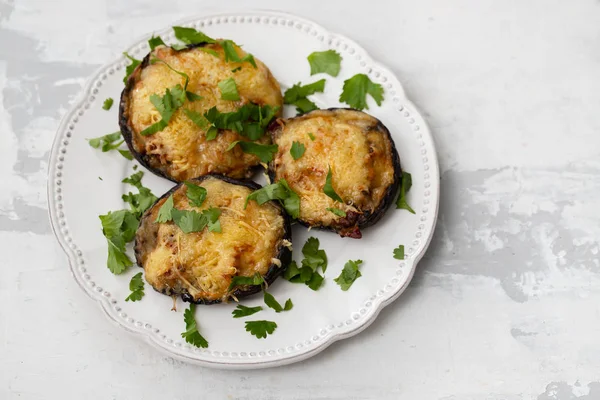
column 358, row 152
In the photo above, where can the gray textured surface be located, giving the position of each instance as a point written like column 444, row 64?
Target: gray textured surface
column 505, row 305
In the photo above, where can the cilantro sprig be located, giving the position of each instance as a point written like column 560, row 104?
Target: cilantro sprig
column 297, row 95
column 277, row 191
column 356, row 89
column 131, row 67
column 191, row 35
column 191, row 334
column 192, row 221
column 271, row 302
column 327, row 62
column 141, row 201
column 243, row 311
column 349, row 274
column 154, row 42
column 261, row 329
column 250, row 120
column 314, row 258
column 405, row 185
column 297, row 150
column 136, row 285
column 232, row 55
column 264, row 152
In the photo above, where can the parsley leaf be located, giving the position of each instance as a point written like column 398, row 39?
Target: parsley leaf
column 328, row 188
column 191, row 36
column 325, row 61
column 405, row 185
column 349, row 274
column 231, row 53
column 191, row 334
column 253, row 280
column 136, row 285
column 195, row 194
column 261, row 329
column 297, row 94
column 263, row 151
column 131, row 67
column 243, row 311
column 297, row 150
column 119, row 228
column 277, row 191
column 140, row 202
column 107, row 104
column 356, row 89
column 271, row 302
column 126, row 154
column 107, row 142
column 154, row 42
column 337, row 211
column 164, row 212
column 229, row 90
column 399, row 252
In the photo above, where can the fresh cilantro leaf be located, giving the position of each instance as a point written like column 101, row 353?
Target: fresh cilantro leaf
column 188, row 221
column 154, row 60
column 236, row 69
column 278, row 191
column 212, row 218
column 231, row 53
column 107, row 142
column 329, row 190
column 164, row 212
column 349, row 274
column 250, row 120
column 229, row 90
column 191, row 36
column 118, row 227
column 243, row 311
column 178, row 46
column 193, row 96
column 210, row 51
column 315, row 282
column 399, row 252
column 196, row 118
column 107, row 104
column 195, row 194
column 191, row 334
column 117, row 261
column 211, row 133
column 261, row 329
column 405, row 185
column 311, row 136
column 135, row 180
column 263, row 151
column 166, row 106
column 126, row 154
column 154, row 128
column 313, row 256
column 253, row 280
column 136, row 285
column 337, row 211
column 328, row 61
column 356, row 89
column 271, row 302
column 131, row 67
column 154, row 42
column 297, row 95
column 297, row 150
column 141, row 201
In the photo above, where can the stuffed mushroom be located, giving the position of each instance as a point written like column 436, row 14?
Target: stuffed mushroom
column 180, row 128
column 343, row 165
column 201, row 235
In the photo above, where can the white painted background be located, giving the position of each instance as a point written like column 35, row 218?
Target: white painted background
column 505, row 305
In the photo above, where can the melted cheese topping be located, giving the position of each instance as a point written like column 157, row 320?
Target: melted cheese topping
column 203, row 263
column 180, row 150
column 359, row 154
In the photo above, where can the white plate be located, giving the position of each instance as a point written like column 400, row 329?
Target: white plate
column 76, row 197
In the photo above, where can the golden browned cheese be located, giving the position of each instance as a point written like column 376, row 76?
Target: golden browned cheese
column 349, row 143
column 203, row 263
column 180, row 150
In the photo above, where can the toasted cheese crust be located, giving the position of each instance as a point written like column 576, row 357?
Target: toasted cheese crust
column 180, row 151
column 363, row 161
column 202, row 264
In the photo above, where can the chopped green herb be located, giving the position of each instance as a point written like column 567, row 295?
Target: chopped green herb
column 261, row 329
column 250, row 120
column 313, row 256
column 164, row 212
column 191, row 36
column 278, row 191
column 308, row 274
column 229, row 90
column 166, row 106
column 243, row 311
column 210, row 51
column 297, row 150
column 118, row 227
column 311, row 136
column 328, row 188
column 154, row 42
column 107, row 104
column 191, row 221
column 231, row 53
column 405, row 185
column 136, row 285
column 297, row 95
column 399, row 252
column 264, row 152
column 349, row 274
column 131, row 67
column 195, row 194
column 191, row 334
column 253, row 280
column 193, row 96
column 356, row 89
column 196, row 118
column 141, row 201
column 337, row 211
column 328, row 62
column 126, row 154
column 271, row 302
column 236, row 69
column 107, row 142
column 315, row 281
